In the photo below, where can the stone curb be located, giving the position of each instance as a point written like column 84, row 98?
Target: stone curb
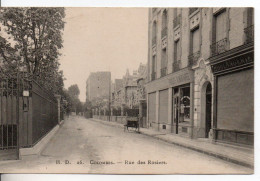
column 200, row 150
column 36, row 149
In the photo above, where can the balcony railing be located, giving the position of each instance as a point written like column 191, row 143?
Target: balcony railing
column 153, row 76
column 192, row 10
column 219, row 47
column 163, row 71
column 164, row 32
column 193, row 58
column 154, row 41
column 177, row 21
column 249, row 32
column 176, row 66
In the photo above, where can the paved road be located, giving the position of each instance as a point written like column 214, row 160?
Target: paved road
column 92, row 147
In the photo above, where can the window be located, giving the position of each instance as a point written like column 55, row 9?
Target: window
column 153, row 74
column 194, row 46
column 154, row 64
column 195, row 40
column 250, row 16
column 164, row 24
column 176, row 17
column 185, row 104
column 177, row 51
column 219, row 38
column 192, row 10
column 154, row 32
column 164, row 62
column 249, row 30
column 221, row 26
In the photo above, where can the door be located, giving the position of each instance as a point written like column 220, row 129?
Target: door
column 8, row 117
column 208, row 109
column 176, row 109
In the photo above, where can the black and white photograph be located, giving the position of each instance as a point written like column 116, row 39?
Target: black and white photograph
column 127, row 90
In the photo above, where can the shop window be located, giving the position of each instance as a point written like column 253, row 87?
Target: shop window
column 185, row 104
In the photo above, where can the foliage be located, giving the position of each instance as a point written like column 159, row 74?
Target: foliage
column 73, row 90
column 73, row 93
column 34, row 38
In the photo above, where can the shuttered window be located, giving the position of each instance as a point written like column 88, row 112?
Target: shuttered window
column 163, row 106
column 152, row 107
column 221, row 26
column 195, row 41
column 177, row 50
column 250, row 17
column 154, row 64
column 164, row 58
column 235, row 101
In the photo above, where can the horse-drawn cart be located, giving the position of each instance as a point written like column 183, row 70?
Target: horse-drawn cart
column 132, row 122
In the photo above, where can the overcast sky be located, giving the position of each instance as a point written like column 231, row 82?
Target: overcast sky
column 103, row 39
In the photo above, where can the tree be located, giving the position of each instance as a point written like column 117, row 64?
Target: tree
column 36, row 36
column 73, row 90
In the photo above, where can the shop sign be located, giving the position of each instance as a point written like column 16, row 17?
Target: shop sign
column 180, row 79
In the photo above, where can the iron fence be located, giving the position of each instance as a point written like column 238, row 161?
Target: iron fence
column 153, row 76
column 219, row 47
column 163, row 71
column 193, row 58
column 44, row 112
column 176, row 66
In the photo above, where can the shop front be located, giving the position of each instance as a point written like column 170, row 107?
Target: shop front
column 233, row 116
column 170, row 103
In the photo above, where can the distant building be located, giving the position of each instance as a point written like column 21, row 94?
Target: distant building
column 98, row 86
column 126, row 91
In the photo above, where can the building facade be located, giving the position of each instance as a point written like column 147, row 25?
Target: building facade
column 128, row 91
column 98, row 86
column 200, row 71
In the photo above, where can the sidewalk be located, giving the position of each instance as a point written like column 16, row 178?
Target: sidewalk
column 235, row 154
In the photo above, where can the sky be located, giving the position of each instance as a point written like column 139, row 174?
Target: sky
column 102, row 39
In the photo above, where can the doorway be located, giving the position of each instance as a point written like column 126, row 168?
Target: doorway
column 176, row 107
column 208, row 110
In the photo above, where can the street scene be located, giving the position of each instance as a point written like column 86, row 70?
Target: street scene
column 127, row 90
column 87, row 146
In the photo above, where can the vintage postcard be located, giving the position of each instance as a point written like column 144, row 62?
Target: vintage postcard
column 127, row 90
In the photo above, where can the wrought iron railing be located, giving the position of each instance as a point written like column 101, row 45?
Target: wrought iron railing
column 163, row 71
column 154, row 40
column 249, row 32
column 219, row 47
column 177, row 21
column 193, row 58
column 192, row 10
column 164, row 32
column 176, row 66
column 153, row 76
